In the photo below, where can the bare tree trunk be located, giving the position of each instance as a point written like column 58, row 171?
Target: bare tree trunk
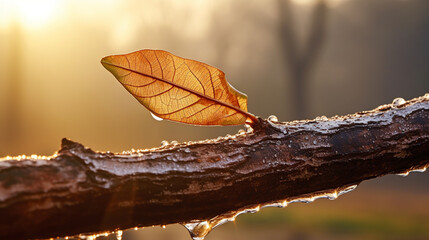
column 78, row 190
column 12, row 132
column 300, row 62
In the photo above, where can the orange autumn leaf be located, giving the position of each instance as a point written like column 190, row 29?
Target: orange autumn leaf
column 179, row 89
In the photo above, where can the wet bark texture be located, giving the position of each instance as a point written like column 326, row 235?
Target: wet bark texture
column 79, row 190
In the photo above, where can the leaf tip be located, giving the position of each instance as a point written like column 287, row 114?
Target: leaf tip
column 106, row 62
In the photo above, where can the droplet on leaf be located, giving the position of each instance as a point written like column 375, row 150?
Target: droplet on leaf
column 156, row 117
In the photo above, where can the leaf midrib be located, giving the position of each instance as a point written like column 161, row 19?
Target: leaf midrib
column 247, row 114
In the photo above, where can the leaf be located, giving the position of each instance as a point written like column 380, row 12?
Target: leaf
column 179, row 89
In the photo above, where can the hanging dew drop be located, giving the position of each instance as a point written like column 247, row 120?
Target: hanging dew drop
column 156, row 117
column 423, row 169
column 285, row 203
column 398, row 102
column 404, row 174
column 118, row 235
column 332, row 196
column 91, row 237
column 198, row 230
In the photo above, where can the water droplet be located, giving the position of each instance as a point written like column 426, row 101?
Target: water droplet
column 404, row 174
column 219, row 138
column 164, row 143
column 302, row 200
column 163, row 226
column 118, row 234
column 332, row 196
column 156, row 117
column 423, row 169
column 284, row 203
column 136, row 228
column 314, row 142
column 86, row 237
column 198, row 230
column 187, row 150
column 174, row 143
column 91, row 237
column 241, row 132
column 426, row 96
column 398, row 102
column 276, row 204
column 248, row 128
column 254, row 210
column 347, row 189
column 273, row 118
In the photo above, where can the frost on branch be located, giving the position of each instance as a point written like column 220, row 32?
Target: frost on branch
column 203, row 184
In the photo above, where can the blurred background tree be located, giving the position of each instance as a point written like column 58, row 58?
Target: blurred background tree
column 294, row 58
column 301, row 58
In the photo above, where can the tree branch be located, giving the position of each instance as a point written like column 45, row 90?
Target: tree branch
column 78, row 190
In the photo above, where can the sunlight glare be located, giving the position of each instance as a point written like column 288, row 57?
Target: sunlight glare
column 29, row 13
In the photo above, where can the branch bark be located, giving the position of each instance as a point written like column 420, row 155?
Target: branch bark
column 78, row 190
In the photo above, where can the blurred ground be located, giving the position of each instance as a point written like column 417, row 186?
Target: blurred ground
column 366, row 53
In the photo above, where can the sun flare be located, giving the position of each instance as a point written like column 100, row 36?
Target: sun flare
column 29, row 13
